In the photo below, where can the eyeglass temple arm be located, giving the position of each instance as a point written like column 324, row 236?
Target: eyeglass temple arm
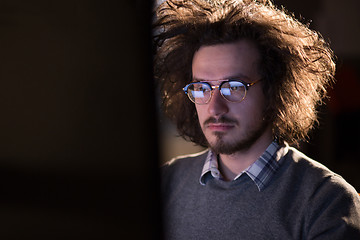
column 250, row 84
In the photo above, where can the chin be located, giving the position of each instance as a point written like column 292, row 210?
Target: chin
column 222, row 147
column 225, row 144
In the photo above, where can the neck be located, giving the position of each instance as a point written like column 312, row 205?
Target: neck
column 232, row 165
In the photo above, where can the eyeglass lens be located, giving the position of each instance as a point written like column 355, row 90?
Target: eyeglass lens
column 232, row 91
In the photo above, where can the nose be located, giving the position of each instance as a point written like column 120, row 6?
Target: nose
column 217, row 105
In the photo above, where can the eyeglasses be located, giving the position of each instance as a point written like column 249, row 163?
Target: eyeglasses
column 232, row 90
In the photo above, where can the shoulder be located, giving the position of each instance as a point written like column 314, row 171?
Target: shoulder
column 184, row 165
column 332, row 204
column 188, row 162
column 182, row 171
column 313, row 173
column 306, row 167
column 185, row 160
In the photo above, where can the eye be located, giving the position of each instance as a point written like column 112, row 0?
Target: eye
column 198, row 87
column 201, row 87
column 235, row 88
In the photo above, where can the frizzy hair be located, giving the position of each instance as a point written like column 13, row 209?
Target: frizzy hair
column 296, row 64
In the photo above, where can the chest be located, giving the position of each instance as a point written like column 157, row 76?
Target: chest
column 218, row 212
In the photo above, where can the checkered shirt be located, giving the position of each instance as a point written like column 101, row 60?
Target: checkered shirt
column 261, row 171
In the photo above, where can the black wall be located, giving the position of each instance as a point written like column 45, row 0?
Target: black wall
column 78, row 153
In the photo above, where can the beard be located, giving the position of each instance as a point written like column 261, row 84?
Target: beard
column 239, row 143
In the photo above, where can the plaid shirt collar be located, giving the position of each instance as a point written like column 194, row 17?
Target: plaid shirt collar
column 261, row 171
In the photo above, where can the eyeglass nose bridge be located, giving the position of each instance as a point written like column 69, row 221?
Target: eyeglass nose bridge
column 212, row 92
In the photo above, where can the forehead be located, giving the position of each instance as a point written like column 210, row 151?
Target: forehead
column 223, row 61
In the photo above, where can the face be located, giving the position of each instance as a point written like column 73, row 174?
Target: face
column 231, row 127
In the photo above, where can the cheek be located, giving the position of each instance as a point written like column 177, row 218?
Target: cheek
column 250, row 111
column 200, row 110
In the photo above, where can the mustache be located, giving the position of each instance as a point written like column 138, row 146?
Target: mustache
column 222, row 119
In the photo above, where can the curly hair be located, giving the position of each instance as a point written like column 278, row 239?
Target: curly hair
column 297, row 64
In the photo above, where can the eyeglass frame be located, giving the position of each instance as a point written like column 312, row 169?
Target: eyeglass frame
column 246, row 85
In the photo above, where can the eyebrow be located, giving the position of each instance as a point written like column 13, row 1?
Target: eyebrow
column 237, row 76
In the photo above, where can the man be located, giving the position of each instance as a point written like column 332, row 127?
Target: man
column 243, row 79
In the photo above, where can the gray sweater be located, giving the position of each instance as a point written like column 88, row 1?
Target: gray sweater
column 304, row 200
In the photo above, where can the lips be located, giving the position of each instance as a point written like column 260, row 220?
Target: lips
column 222, row 124
column 219, row 127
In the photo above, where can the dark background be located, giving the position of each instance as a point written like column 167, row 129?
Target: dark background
column 78, row 153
